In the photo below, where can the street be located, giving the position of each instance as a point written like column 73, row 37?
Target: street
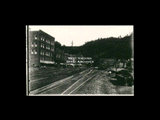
column 89, row 81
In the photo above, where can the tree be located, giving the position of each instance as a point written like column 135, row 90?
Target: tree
column 57, row 44
column 118, row 48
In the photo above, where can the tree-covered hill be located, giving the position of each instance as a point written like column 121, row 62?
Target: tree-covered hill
column 108, row 48
column 119, row 48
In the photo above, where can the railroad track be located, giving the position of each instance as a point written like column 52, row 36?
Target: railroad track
column 77, row 85
column 37, row 77
column 61, row 82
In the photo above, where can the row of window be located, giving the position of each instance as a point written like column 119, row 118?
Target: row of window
column 48, row 47
column 47, row 41
column 33, row 51
column 42, row 53
column 34, row 44
column 44, row 39
column 46, row 53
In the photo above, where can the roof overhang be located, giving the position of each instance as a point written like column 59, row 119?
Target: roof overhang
column 47, row 62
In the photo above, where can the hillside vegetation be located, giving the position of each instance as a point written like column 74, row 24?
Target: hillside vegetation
column 118, row 48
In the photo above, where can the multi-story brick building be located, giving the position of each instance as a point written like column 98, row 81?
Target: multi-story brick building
column 41, row 49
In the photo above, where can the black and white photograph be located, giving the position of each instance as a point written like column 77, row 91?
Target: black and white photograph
column 79, row 60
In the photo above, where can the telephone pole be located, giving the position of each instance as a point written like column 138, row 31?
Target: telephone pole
column 72, row 43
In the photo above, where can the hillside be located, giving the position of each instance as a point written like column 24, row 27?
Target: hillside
column 108, row 48
column 119, row 48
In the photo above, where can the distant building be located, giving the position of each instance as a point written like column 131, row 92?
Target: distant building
column 106, row 62
column 60, row 56
column 121, row 63
column 41, row 49
column 71, row 59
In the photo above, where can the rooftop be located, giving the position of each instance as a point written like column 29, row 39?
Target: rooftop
column 43, row 33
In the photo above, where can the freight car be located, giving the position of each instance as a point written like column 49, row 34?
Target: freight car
column 104, row 63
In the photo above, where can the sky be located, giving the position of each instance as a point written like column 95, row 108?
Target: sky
column 80, row 34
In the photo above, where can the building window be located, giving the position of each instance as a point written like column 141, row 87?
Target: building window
column 42, row 45
column 46, row 54
column 47, row 41
column 35, row 44
column 32, row 52
column 35, row 52
column 41, row 52
column 48, row 47
column 41, row 38
column 35, row 37
column 52, row 48
column 32, row 44
column 52, row 43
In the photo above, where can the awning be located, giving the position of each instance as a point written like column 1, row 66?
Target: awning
column 47, row 62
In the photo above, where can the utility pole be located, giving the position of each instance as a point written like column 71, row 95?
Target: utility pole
column 72, row 43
